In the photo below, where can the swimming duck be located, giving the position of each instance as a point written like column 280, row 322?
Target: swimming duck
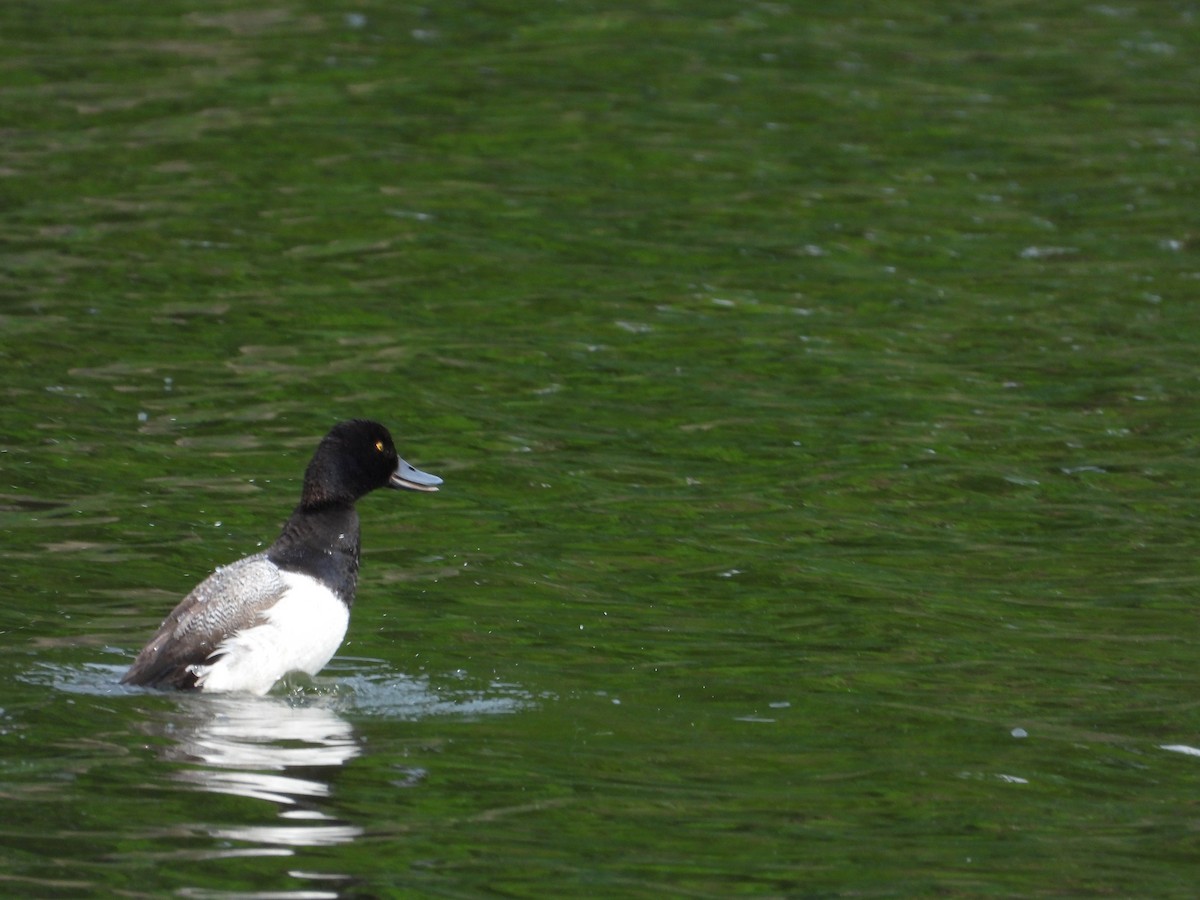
column 286, row 609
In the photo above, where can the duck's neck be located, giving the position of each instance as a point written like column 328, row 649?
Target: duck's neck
column 323, row 542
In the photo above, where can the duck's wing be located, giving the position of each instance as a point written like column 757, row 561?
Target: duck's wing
column 228, row 600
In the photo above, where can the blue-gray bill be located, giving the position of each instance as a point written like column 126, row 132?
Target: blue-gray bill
column 411, row 478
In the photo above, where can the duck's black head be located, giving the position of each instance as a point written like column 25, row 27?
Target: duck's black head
column 355, row 458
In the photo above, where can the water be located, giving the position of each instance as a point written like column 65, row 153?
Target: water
column 812, row 391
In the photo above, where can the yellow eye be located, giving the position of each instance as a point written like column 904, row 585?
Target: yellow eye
column 379, row 446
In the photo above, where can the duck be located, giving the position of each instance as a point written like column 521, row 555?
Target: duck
column 286, row 609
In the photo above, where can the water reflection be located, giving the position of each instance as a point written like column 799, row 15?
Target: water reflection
column 243, row 744
column 265, row 733
column 282, row 751
column 257, row 747
column 264, row 748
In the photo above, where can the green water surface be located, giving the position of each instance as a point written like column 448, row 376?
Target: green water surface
column 814, row 389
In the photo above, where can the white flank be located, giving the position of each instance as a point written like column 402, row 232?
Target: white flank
column 300, row 633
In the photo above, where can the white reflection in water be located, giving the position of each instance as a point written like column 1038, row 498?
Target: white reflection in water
column 237, row 731
column 326, row 836
column 245, row 746
column 274, row 748
column 1185, row 749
